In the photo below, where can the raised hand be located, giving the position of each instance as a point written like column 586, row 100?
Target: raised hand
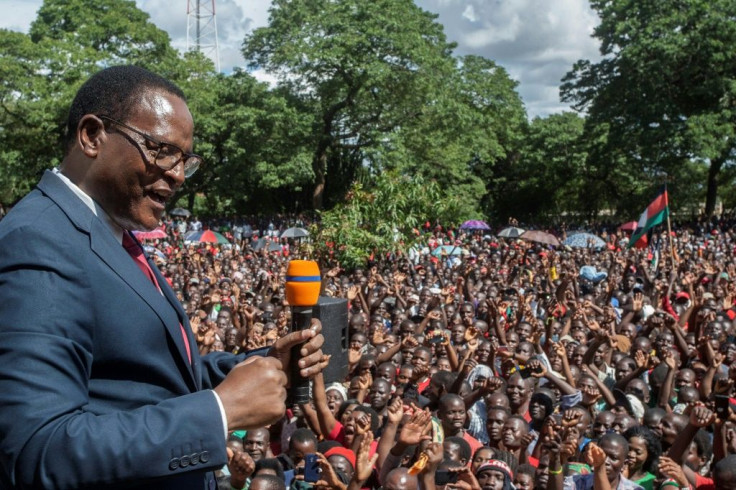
column 363, row 461
column 435, row 454
column 363, row 424
column 395, row 411
column 365, row 381
column 595, row 456
column 241, row 466
column 700, row 416
column 415, row 429
column 537, row 368
column 672, row 470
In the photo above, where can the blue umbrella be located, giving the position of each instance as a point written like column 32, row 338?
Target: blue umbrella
column 584, row 240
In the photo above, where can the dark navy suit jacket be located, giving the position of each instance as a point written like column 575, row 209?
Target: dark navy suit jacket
column 95, row 386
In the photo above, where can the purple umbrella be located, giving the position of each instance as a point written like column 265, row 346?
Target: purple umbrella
column 475, row 224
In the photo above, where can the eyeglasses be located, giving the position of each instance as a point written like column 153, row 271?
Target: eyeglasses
column 165, row 155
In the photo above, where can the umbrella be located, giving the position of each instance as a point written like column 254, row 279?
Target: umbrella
column 180, row 212
column 628, row 226
column 584, row 240
column 150, row 235
column 155, row 252
column 295, row 233
column 447, row 250
column 511, row 232
column 206, row 236
column 540, row 237
column 475, row 224
column 268, row 244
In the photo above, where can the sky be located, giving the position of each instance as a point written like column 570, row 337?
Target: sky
column 536, row 41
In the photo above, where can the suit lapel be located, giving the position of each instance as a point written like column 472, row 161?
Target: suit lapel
column 112, row 253
column 173, row 301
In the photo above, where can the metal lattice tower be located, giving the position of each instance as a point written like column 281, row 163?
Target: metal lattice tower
column 202, row 29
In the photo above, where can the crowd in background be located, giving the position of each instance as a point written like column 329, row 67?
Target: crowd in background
column 510, row 365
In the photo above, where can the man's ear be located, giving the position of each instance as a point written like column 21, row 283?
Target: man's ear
column 90, row 135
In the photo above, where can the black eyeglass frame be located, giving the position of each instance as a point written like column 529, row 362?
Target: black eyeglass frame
column 189, row 168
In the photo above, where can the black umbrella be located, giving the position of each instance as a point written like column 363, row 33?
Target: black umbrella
column 180, row 212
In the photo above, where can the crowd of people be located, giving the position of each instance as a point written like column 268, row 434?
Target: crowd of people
column 511, row 365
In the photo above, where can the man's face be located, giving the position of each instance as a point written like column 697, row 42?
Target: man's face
column 298, row 450
column 386, row 371
column 669, row 428
column 615, row 458
column 684, row 377
column 491, row 480
column 404, row 376
column 421, row 358
column 256, row 443
column 452, row 414
column 523, row 481
column 603, row 423
column 624, row 367
column 452, row 451
column 513, row 431
column 524, row 330
column 379, row 393
column 124, row 180
column 517, row 391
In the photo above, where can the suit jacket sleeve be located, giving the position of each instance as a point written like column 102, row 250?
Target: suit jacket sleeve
column 65, row 420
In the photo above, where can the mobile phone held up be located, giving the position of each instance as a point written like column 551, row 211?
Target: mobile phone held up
column 311, row 468
column 443, row 477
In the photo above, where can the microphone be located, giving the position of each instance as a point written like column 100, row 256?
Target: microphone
column 303, row 284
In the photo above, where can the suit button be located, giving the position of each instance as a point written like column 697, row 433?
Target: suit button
column 204, row 456
column 174, row 464
column 184, row 461
column 194, row 459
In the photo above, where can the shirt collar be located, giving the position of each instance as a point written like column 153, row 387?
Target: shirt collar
column 116, row 230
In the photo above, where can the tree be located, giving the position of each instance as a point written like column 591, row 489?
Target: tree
column 382, row 218
column 362, row 66
column 550, row 176
column 251, row 139
column 473, row 120
column 41, row 71
column 666, row 86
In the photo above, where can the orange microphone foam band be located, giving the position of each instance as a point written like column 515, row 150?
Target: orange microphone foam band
column 303, row 283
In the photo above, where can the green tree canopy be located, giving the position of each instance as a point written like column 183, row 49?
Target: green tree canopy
column 666, row 86
column 385, row 217
column 362, row 67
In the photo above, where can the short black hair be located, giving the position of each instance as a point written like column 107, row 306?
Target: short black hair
column 113, row 92
column 273, row 482
column 272, row 464
column 303, row 436
column 526, row 469
column 465, row 451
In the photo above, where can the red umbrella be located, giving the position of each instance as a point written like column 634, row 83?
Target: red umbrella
column 150, row 235
column 206, row 236
column 629, row 226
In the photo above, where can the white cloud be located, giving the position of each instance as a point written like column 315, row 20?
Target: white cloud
column 537, row 41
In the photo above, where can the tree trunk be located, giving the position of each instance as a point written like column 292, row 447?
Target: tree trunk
column 712, row 195
column 319, row 165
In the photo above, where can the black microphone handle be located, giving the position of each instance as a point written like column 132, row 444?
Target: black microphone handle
column 301, row 319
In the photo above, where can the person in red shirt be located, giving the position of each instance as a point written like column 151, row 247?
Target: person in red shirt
column 452, row 415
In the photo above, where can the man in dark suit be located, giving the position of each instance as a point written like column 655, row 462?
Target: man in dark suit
column 101, row 384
